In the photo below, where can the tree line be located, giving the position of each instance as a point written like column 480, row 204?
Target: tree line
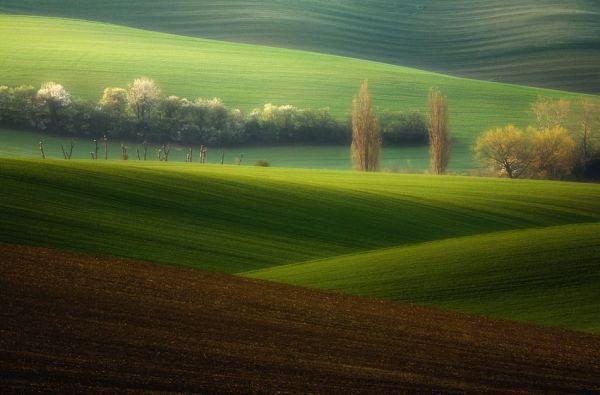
column 141, row 112
column 564, row 141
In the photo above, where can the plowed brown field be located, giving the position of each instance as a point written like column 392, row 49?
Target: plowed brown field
column 70, row 322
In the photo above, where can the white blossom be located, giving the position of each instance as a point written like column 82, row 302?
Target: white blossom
column 142, row 95
column 51, row 92
column 212, row 104
column 278, row 114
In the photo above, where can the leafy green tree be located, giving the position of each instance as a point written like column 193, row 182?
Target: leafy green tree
column 400, row 128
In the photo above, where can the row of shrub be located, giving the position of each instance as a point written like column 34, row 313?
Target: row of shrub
column 564, row 142
column 141, row 112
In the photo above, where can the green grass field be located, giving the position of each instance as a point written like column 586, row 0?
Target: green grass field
column 265, row 259
column 86, row 57
column 236, row 219
column 547, row 276
column 553, row 43
column 518, row 249
column 22, row 144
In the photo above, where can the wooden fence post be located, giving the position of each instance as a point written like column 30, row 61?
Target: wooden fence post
column 105, row 143
column 166, row 150
column 70, row 153
column 95, row 155
column 145, row 145
column 203, row 154
column 124, row 152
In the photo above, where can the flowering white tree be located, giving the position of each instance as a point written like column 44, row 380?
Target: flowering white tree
column 53, row 96
column 280, row 116
column 53, row 93
column 142, row 95
column 215, row 104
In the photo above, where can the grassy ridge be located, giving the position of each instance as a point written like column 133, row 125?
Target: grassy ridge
column 233, row 219
column 547, row 276
column 86, row 57
column 553, row 43
column 236, row 219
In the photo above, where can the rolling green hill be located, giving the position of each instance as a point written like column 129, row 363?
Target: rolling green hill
column 547, row 276
column 86, row 57
column 236, row 219
column 551, row 43
column 239, row 218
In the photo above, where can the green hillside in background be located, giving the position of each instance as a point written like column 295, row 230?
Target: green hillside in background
column 87, row 57
column 550, row 43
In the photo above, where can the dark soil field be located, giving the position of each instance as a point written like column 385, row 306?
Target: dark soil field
column 71, row 322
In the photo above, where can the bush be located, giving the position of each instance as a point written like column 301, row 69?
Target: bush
column 545, row 153
column 592, row 169
column 507, row 151
column 262, row 163
column 81, row 119
column 398, row 128
column 287, row 124
column 18, row 107
column 141, row 113
column 5, row 98
column 53, row 101
column 319, row 127
column 553, row 153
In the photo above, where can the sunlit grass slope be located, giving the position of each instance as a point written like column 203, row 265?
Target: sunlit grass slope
column 460, row 242
column 554, row 43
column 238, row 218
column 86, row 57
column 547, row 276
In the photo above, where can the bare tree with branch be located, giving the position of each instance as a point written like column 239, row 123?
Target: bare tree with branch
column 68, row 154
column 439, row 131
column 366, row 140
